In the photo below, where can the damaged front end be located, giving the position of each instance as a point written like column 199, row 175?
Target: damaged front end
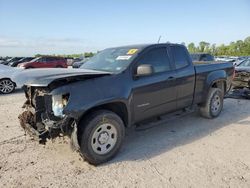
column 241, row 79
column 43, row 117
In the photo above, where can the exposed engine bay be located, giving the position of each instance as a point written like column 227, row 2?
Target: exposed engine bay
column 43, row 116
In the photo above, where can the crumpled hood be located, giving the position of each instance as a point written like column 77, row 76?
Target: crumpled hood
column 43, row 77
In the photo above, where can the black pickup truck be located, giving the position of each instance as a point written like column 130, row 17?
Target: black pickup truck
column 117, row 88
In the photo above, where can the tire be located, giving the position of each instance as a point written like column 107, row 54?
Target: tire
column 59, row 66
column 7, row 86
column 101, row 137
column 214, row 104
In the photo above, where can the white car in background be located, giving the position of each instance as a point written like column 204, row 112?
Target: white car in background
column 7, row 85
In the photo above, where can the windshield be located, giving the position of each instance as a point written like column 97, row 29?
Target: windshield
column 111, row 60
column 21, row 59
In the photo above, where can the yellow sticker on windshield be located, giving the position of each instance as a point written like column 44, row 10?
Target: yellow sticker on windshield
column 132, row 51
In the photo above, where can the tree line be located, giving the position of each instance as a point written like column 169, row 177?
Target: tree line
column 237, row 48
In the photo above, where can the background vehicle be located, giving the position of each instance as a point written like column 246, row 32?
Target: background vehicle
column 10, row 60
column 45, row 62
column 7, row 84
column 25, row 59
column 231, row 59
column 70, row 61
column 117, row 88
column 202, row 57
column 78, row 64
column 242, row 75
column 1, row 60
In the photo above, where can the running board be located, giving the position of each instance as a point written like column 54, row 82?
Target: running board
column 164, row 118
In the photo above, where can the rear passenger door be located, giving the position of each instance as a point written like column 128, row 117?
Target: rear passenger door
column 154, row 94
column 185, row 75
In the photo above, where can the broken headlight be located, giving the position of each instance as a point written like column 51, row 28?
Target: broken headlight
column 58, row 104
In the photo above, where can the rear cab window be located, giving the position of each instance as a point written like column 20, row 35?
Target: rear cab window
column 180, row 56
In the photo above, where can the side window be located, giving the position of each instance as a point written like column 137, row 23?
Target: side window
column 245, row 63
column 42, row 60
column 210, row 57
column 54, row 59
column 180, row 57
column 203, row 57
column 206, row 57
column 49, row 59
column 158, row 58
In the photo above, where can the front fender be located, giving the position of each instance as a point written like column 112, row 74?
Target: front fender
column 88, row 94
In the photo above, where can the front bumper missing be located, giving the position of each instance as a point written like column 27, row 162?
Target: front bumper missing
column 38, row 130
column 42, row 132
column 27, row 122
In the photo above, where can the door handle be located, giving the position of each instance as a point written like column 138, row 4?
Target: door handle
column 171, row 78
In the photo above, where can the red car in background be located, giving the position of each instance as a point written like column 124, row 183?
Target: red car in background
column 45, row 62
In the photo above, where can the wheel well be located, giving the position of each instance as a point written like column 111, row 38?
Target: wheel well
column 8, row 79
column 5, row 79
column 117, row 107
column 220, row 84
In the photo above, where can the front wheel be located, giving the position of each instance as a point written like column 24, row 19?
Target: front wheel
column 214, row 104
column 6, row 86
column 101, row 137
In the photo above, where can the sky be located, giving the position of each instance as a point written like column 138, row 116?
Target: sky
column 29, row 27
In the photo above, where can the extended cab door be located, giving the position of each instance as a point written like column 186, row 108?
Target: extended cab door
column 154, row 94
column 185, row 75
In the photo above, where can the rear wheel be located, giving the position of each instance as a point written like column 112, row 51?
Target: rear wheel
column 101, row 137
column 214, row 104
column 6, row 86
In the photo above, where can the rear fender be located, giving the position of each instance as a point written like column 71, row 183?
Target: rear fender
column 212, row 78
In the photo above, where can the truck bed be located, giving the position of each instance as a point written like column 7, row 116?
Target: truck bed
column 204, row 71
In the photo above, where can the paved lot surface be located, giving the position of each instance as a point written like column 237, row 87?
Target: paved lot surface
column 184, row 152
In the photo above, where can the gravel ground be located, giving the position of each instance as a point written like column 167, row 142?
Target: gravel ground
column 183, row 152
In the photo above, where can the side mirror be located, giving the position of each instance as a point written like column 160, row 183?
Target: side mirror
column 144, row 70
